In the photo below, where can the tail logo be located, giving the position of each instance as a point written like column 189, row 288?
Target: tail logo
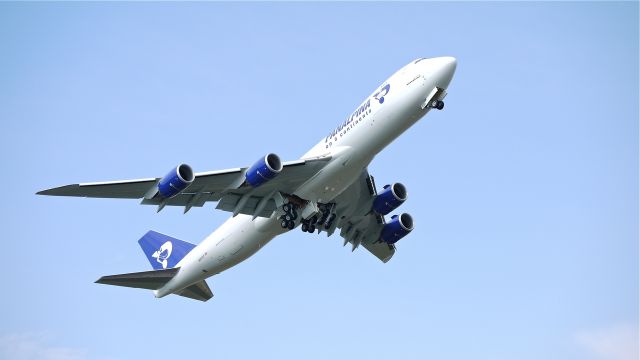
column 161, row 255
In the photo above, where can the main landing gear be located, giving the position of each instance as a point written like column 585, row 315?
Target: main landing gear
column 309, row 225
column 320, row 217
column 327, row 215
column 436, row 104
column 323, row 220
column 288, row 220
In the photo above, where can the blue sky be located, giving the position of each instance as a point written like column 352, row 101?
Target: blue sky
column 524, row 190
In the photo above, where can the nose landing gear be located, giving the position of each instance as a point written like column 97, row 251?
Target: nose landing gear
column 436, row 104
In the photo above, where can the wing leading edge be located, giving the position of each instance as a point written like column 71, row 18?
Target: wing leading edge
column 226, row 186
column 358, row 225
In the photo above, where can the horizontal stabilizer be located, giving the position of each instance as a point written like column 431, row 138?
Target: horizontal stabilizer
column 152, row 280
column 198, row 291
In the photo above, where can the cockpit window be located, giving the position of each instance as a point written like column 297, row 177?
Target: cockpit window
column 417, row 61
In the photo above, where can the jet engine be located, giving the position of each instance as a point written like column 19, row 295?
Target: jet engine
column 175, row 181
column 397, row 228
column 390, row 198
column 263, row 170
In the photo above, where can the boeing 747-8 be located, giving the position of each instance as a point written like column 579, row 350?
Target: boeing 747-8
column 328, row 189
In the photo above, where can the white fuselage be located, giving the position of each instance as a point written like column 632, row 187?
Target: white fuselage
column 390, row 110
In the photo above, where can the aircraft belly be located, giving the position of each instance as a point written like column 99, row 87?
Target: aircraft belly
column 233, row 242
column 238, row 239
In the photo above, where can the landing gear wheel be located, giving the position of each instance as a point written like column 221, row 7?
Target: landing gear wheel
column 312, row 228
column 436, row 104
column 291, row 225
column 284, row 224
column 286, row 208
column 305, row 227
column 288, row 217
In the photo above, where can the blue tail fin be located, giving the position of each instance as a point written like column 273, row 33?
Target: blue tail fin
column 163, row 251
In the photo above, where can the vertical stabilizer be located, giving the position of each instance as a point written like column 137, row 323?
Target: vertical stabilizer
column 163, row 251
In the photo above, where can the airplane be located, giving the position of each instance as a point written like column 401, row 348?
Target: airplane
column 328, row 189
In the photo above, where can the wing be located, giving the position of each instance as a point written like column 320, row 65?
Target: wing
column 357, row 223
column 228, row 187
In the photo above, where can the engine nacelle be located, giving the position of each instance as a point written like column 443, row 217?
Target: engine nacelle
column 397, row 228
column 263, row 170
column 175, row 181
column 390, row 198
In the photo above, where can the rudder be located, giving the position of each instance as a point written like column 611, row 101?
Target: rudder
column 163, row 252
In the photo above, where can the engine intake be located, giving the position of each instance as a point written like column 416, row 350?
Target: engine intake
column 175, row 181
column 263, row 170
column 390, row 198
column 397, row 228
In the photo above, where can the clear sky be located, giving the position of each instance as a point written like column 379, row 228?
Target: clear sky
column 524, row 190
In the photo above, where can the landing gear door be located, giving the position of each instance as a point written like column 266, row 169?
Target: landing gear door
column 435, row 94
column 431, row 95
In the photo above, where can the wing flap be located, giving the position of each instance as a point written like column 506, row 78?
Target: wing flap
column 358, row 224
column 381, row 250
column 250, row 207
column 207, row 186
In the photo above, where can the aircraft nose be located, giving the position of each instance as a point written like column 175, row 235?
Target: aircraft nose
column 443, row 69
